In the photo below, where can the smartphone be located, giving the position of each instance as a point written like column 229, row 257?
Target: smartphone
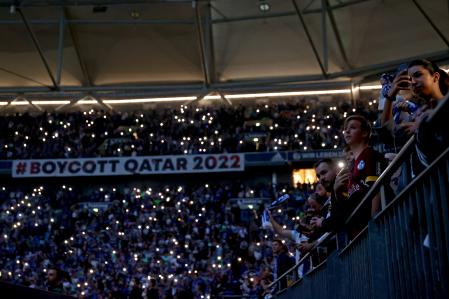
column 402, row 67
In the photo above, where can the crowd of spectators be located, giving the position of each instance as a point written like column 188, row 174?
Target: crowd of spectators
column 415, row 105
column 302, row 125
column 181, row 241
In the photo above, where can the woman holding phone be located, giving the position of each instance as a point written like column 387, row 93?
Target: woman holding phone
column 426, row 81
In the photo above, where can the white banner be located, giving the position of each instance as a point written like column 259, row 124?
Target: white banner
column 127, row 165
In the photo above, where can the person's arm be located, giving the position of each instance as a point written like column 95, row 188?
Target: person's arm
column 337, row 217
column 387, row 113
column 278, row 229
column 400, row 82
column 305, row 246
column 341, row 184
column 317, row 222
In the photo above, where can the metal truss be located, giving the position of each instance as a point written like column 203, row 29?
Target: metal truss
column 241, row 86
column 203, row 23
column 223, row 19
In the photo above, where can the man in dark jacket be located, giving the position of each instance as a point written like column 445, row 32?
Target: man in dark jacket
column 282, row 263
column 54, row 280
column 153, row 291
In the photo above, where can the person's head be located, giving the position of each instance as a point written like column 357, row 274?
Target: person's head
column 357, row 130
column 136, row 282
column 53, row 276
column 152, row 283
column 277, row 246
column 428, row 80
column 320, row 190
column 315, row 202
column 326, row 171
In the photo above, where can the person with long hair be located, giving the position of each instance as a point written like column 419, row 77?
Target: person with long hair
column 426, row 82
column 432, row 136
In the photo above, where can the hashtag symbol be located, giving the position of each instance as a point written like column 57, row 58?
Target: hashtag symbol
column 21, row 168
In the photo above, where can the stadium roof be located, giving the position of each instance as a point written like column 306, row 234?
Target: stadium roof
column 114, row 49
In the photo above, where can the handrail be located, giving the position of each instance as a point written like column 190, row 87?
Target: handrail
column 320, row 241
column 415, row 181
column 386, row 174
column 19, row 291
column 397, row 162
column 444, row 104
column 233, row 296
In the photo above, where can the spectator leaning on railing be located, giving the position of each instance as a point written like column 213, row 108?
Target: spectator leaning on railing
column 353, row 183
column 401, row 108
column 283, row 261
column 426, row 84
column 430, row 83
column 326, row 171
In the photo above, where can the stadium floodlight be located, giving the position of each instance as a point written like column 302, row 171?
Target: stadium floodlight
column 61, row 102
column 370, row 87
column 19, row 103
column 87, row 100
column 286, row 94
column 212, row 97
column 150, row 100
column 92, row 101
column 217, row 97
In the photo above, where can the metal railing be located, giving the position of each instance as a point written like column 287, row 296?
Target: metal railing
column 15, row 291
column 379, row 185
column 403, row 252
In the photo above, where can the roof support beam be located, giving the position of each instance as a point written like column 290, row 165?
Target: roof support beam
column 200, row 97
column 103, row 22
column 309, row 38
column 38, row 48
column 287, row 13
column 225, row 99
column 324, row 32
column 209, row 42
column 60, row 47
column 205, row 42
column 166, row 21
column 336, row 6
column 44, row 3
column 75, row 41
column 241, row 86
column 337, row 35
column 431, row 23
column 23, row 77
column 308, row 5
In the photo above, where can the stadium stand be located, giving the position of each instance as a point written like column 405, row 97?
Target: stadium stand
column 301, row 125
column 188, row 238
column 198, row 239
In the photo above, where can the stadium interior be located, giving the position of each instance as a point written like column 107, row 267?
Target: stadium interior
column 173, row 149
